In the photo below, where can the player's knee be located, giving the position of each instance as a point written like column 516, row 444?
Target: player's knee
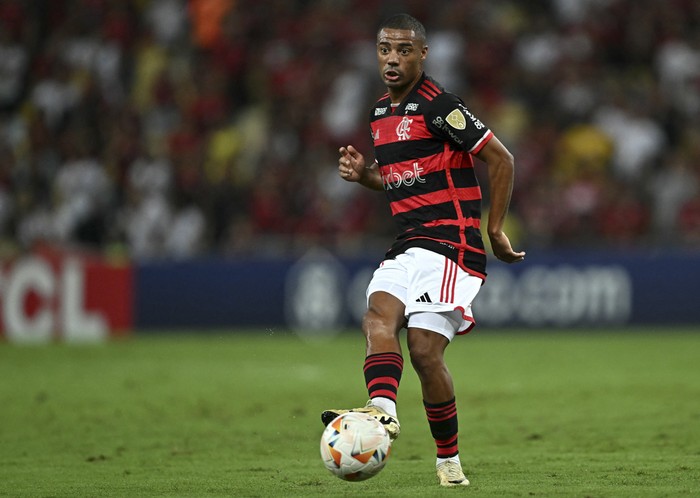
column 425, row 359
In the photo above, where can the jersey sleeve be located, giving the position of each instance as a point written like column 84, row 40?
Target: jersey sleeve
column 449, row 119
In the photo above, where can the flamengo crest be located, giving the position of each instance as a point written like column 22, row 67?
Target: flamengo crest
column 404, row 128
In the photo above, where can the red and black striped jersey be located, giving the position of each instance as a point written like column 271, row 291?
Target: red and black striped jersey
column 423, row 148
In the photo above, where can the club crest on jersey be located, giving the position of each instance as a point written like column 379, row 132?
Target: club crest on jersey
column 404, row 128
column 456, row 120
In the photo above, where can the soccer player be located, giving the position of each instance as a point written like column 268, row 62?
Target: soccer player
column 424, row 139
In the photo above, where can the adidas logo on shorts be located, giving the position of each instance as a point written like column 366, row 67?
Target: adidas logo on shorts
column 425, row 298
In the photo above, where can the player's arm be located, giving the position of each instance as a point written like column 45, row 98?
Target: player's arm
column 450, row 119
column 501, row 168
column 352, row 168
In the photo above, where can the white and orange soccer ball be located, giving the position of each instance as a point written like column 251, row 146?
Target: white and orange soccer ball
column 355, row 446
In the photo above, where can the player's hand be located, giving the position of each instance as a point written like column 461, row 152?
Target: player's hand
column 351, row 164
column 500, row 245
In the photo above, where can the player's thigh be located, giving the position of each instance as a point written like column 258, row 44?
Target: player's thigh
column 385, row 311
column 386, row 297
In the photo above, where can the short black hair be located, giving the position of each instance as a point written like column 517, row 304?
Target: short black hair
column 406, row 22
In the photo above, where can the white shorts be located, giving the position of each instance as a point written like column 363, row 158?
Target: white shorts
column 437, row 293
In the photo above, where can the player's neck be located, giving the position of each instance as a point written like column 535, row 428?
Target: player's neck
column 396, row 98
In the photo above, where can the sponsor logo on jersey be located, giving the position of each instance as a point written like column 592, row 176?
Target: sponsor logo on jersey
column 440, row 123
column 394, row 179
column 412, row 106
column 478, row 124
column 380, row 111
column 456, row 120
column 404, row 128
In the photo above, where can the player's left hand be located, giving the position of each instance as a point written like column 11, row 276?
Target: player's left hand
column 500, row 245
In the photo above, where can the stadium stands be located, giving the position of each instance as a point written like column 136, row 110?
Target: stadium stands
column 176, row 128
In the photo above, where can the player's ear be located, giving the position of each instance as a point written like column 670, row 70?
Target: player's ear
column 424, row 53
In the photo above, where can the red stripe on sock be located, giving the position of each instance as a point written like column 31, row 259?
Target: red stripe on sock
column 444, row 417
column 441, row 413
column 440, row 409
column 383, row 393
column 384, row 380
column 447, row 452
column 449, row 441
column 372, row 361
column 447, row 447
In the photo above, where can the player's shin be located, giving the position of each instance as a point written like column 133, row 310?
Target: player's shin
column 442, row 418
column 382, row 376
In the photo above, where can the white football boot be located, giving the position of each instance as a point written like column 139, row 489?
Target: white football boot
column 450, row 474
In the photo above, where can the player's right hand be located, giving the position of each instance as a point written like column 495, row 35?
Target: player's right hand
column 351, row 164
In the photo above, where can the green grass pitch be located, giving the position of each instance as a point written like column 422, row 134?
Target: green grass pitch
column 550, row 413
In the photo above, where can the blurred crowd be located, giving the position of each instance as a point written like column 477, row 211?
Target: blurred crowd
column 180, row 128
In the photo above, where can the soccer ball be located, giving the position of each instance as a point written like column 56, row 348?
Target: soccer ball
column 355, row 446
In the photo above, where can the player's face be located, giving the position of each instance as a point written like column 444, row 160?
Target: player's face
column 400, row 55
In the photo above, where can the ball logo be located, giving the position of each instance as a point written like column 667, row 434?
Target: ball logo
column 456, row 120
column 404, row 128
